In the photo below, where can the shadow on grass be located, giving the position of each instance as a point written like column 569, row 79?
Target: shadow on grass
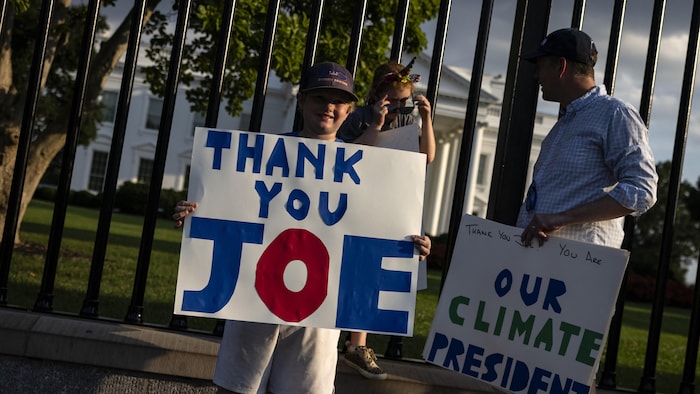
column 83, row 235
column 113, row 308
column 630, row 377
column 158, row 314
column 675, row 321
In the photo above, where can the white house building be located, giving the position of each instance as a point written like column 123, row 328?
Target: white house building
column 145, row 109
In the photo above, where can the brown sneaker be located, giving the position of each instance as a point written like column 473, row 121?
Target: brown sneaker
column 363, row 361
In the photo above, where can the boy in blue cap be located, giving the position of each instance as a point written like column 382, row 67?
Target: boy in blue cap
column 260, row 357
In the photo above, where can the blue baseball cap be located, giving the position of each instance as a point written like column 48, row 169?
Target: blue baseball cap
column 570, row 43
column 329, row 75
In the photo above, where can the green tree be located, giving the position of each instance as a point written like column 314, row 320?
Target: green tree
column 20, row 30
column 648, row 231
column 289, row 45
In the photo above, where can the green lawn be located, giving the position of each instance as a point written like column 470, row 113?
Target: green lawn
column 120, row 264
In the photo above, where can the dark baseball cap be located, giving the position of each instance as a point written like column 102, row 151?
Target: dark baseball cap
column 570, row 43
column 329, row 75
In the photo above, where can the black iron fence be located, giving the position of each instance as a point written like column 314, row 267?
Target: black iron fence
column 510, row 169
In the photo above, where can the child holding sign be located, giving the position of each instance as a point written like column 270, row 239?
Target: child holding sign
column 260, row 357
column 392, row 88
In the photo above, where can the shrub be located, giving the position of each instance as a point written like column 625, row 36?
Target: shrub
column 81, row 198
column 133, row 197
column 642, row 288
column 130, row 198
column 678, row 294
column 84, row 198
column 168, row 199
column 45, row 193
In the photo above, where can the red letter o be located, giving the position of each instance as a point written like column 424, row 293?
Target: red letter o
column 290, row 245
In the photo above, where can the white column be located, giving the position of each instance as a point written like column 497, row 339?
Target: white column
column 473, row 170
column 435, row 188
column 455, row 139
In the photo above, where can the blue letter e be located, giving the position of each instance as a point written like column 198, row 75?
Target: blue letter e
column 361, row 279
column 228, row 237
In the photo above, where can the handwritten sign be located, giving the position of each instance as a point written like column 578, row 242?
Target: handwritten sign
column 302, row 232
column 525, row 319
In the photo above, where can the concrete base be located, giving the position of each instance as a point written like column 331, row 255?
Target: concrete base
column 41, row 353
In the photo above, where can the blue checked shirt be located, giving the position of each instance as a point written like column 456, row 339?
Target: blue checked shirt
column 599, row 147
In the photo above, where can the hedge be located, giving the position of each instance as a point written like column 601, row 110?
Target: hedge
column 130, row 198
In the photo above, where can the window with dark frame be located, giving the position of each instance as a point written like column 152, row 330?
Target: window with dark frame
column 481, row 170
column 109, row 105
column 155, row 109
column 145, row 171
column 98, row 169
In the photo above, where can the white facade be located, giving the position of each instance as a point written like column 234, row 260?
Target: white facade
column 141, row 135
column 448, row 123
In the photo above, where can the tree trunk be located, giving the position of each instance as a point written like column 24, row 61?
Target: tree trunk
column 44, row 148
column 40, row 155
column 8, row 151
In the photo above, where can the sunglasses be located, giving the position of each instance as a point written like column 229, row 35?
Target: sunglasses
column 403, row 110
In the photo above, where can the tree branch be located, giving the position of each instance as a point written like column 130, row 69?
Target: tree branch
column 111, row 51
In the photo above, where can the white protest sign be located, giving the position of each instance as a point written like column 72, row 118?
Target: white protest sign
column 300, row 231
column 525, row 319
column 404, row 138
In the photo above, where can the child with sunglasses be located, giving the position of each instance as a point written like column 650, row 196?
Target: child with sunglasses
column 385, row 109
column 390, row 104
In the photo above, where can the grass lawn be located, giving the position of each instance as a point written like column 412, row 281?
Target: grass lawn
column 120, row 264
